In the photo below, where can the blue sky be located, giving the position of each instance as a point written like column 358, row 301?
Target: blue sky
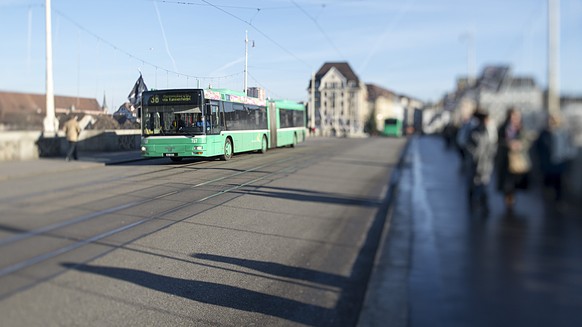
column 414, row 47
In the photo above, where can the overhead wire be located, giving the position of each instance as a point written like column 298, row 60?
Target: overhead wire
column 217, row 7
column 221, row 6
column 259, row 31
column 319, row 28
column 261, row 85
column 249, row 23
column 143, row 61
column 392, row 24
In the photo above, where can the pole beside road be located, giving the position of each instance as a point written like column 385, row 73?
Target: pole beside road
column 50, row 119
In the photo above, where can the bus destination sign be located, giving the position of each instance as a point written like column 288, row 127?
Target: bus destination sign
column 173, row 98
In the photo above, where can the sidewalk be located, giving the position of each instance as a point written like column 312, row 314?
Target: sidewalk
column 443, row 265
column 16, row 169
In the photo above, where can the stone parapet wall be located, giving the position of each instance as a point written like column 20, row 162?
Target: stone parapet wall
column 27, row 145
column 109, row 140
column 16, row 145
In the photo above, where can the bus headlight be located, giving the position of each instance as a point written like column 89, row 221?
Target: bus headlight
column 143, row 149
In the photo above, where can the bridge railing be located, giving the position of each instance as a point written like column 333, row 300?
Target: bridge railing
column 26, row 145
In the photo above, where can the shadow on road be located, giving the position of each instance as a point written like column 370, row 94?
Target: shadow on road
column 345, row 313
column 352, row 288
column 278, row 269
column 310, row 196
column 213, row 293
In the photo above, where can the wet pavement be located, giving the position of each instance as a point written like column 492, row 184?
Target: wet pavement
column 445, row 265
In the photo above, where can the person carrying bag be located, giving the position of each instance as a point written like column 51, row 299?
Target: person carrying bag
column 519, row 162
column 513, row 162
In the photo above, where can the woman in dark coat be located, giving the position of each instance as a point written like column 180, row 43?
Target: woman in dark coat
column 554, row 158
column 511, row 137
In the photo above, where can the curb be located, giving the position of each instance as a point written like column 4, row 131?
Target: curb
column 373, row 311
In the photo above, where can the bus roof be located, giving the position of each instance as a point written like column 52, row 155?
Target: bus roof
column 288, row 104
column 233, row 96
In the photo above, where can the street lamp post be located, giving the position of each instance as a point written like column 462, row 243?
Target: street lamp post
column 553, row 56
column 49, row 120
column 245, row 87
column 312, row 104
column 471, row 62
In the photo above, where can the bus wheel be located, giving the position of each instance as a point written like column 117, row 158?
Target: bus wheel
column 227, row 150
column 176, row 159
column 264, row 145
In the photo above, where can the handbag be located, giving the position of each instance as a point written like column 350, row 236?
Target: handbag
column 518, row 162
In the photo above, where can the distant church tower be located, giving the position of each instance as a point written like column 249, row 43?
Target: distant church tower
column 104, row 105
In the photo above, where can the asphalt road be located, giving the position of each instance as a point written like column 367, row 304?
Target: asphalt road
column 281, row 239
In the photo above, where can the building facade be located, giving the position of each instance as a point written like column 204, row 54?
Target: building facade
column 26, row 111
column 383, row 104
column 257, row 92
column 340, row 101
column 496, row 90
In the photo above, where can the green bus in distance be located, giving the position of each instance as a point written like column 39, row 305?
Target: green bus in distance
column 185, row 123
column 393, row 127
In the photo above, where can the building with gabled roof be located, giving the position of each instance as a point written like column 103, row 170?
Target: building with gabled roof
column 340, row 100
column 496, row 90
column 343, row 67
column 26, row 111
column 383, row 104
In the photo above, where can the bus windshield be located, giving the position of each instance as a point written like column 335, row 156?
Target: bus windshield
column 173, row 120
column 391, row 121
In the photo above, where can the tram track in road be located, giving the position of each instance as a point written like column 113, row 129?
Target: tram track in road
column 52, row 227
column 174, row 170
column 283, row 240
column 88, row 188
column 83, row 218
column 23, row 234
column 92, row 215
column 52, row 231
column 79, row 243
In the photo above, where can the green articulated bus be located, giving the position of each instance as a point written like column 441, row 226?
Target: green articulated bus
column 393, row 127
column 185, row 123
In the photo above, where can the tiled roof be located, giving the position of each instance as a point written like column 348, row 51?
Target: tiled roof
column 343, row 67
column 27, row 110
column 14, row 101
column 375, row 91
column 493, row 77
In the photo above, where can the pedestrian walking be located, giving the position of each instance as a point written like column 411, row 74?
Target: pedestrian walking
column 481, row 147
column 513, row 163
column 450, row 134
column 462, row 137
column 72, row 131
column 555, row 150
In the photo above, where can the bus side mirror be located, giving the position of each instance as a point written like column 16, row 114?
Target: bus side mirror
column 207, row 110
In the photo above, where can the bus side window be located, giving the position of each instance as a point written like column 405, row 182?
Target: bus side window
column 220, row 117
column 228, row 115
column 215, row 119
